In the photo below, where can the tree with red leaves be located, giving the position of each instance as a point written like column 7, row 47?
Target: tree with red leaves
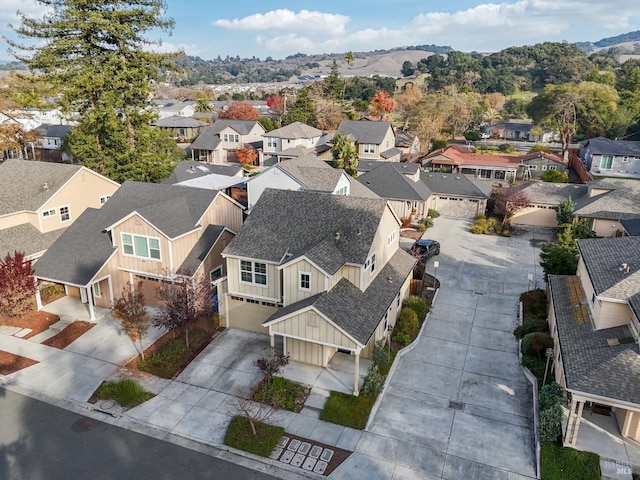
column 381, row 103
column 239, row 111
column 130, row 310
column 277, row 105
column 17, row 285
column 506, row 201
column 247, row 155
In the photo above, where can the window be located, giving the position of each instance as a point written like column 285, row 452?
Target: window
column 139, row 246
column 49, row 213
column 391, row 238
column 373, row 263
column 552, row 167
column 215, row 274
column 533, row 167
column 625, row 159
column 368, row 148
column 64, row 214
column 104, row 199
column 606, row 162
column 305, row 281
column 342, row 191
column 97, row 293
column 272, row 142
column 544, row 167
column 398, row 302
column 253, row 272
column 231, row 137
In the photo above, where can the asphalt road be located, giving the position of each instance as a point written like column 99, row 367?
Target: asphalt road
column 41, row 442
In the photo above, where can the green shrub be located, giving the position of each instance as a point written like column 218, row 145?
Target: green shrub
column 380, row 355
column 539, row 148
column 402, row 338
column 477, row 229
column 492, row 225
column 529, row 326
column 408, row 323
column 427, row 222
column 551, row 424
column 506, row 148
column 555, row 176
column 480, row 217
column 473, row 136
column 171, row 356
column 282, row 393
column 535, row 343
column 416, row 304
column 438, row 143
column 373, row 382
column 239, row 435
column 550, row 394
column 127, row 392
column 506, row 232
column 433, row 213
column 534, row 304
column 347, row 410
column 421, row 227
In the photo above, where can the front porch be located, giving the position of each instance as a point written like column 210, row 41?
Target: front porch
column 73, row 307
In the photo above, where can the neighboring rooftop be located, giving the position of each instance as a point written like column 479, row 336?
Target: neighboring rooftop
column 388, row 182
column 294, row 131
column 54, row 131
column 177, row 121
column 364, row 131
column 406, row 168
column 201, row 249
column 26, row 238
column 190, row 169
column 460, row 156
column 547, row 193
column 455, row 184
column 606, row 146
column 621, row 201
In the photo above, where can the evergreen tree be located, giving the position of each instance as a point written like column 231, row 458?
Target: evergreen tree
column 96, row 55
column 345, row 154
column 303, row 110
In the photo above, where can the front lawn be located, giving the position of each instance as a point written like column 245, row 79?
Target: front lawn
column 347, row 410
column 239, row 435
column 563, row 463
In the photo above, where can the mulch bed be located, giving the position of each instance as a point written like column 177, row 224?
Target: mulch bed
column 408, row 232
column 10, row 363
column 339, row 455
column 38, row 321
column 69, row 334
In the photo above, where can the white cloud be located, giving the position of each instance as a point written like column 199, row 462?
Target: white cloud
column 317, row 23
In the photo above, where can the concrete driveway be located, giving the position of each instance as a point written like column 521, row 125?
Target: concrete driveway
column 458, row 405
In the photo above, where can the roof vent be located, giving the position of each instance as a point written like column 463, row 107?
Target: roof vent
column 624, row 268
column 337, row 235
column 359, row 231
column 612, row 342
column 45, row 186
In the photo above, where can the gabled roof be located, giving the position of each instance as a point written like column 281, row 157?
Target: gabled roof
column 621, row 202
column 26, row 238
column 363, row 131
column 547, row 193
column 190, row 169
column 631, row 226
column 86, row 245
column 519, row 126
column 403, row 167
column 541, row 155
column 207, row 140
column 312, row 172
column 176, row 121
column 294, row 131
column 404, row 139
column 54, row 131
column 606, row 146
column 201, row 249
column 591, row 365
column 387, row 182
column 243, row 127
column 392, row 152
column 452, row 184
column 286, row 224
column 358, row 313
column 27, row 185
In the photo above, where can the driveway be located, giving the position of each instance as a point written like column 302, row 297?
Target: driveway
column 458, row 405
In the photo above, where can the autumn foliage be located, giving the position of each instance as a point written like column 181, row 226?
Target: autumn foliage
column 247, row 155
column 130, row 310
column 17, row 285
column 239, row 111
column 381, row 103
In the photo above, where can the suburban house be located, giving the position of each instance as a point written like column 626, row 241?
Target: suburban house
column 292, row 141
column 146, row 232
column 412, row 170
column 611, row 158
column 459, row 159
column 218, row 143
column 304, row 173
column 374, row 140
column 608, row 202
column 408, row 143
column 51, row 138
column 172, row 107
column 39, row 200
column 533, row 165
column 521, row 131
column 181, row 129
column 190, row 173
column 330, row 278
column 594, row 321
column 544, row 197
column 456, row 195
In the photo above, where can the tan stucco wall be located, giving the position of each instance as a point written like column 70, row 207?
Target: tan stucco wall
column 271, row 291
column 542, row 217
column 605, row 227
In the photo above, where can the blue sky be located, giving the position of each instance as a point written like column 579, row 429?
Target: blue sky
column 277, row 29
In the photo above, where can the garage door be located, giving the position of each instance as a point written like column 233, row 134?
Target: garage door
column 539, row 217
column 249, row 316
column 457, row 207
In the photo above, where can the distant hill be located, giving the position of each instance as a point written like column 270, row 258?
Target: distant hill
column 621, row 41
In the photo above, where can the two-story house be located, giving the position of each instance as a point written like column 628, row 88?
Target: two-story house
column 39, row 200
column 181, row 129
column 374, row 140
column 320, row 273
column 594, row 321
column 611, row 158
column 145, row 232
column 291, row 141
column 219, row 142
column 534, row 165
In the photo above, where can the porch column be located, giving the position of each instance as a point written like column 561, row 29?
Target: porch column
column 92, row 313
column 38, row 299
column 272, row 339
column 574, row 439
column 356, row 378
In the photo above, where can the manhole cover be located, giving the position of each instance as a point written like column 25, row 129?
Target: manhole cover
column 456, row 405
column 107, row 404
column 83, row 424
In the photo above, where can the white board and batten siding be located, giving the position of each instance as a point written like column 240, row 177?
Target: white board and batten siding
column 292, row 292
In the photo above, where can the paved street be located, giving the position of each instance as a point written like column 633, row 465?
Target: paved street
column 41, row 442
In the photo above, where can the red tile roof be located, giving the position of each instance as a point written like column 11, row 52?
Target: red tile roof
column 461, row 156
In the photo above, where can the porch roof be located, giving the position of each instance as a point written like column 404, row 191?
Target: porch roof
column 591, row 365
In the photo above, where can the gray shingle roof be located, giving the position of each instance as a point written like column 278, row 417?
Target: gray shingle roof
column 356, row 312
column 546, row 193
column 314, row 173
column 294, row 131
column 451, row 184
column 54, row 131
column 364, row 131
column 207, row 140
column 392, row 152
column 603, row 256
column 622, row 202
column 22, row 183
column 176, row 121
column 190, row 169
column 201, row 249
column 85, row 246
column 406, row 168
column 387, row 182
column 287, row 223
column 605, row 146
column 243, row 127
column 26, row 238
column 590, row 364
column 632, row 226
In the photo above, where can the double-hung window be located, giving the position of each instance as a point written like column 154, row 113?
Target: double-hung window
column 253, row 272
column 65, row 216
column 369, row 148
column 606, row 162
column 305, row 281
column 140, row 246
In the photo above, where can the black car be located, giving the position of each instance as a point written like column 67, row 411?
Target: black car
column 425, row 249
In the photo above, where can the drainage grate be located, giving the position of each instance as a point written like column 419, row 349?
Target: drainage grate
column 456, row 405
column 478, row 293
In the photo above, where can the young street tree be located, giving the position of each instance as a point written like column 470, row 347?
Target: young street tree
column 17, row 285
column 96, row 55
column 129, row 309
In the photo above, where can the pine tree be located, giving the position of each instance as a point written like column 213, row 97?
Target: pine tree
column 96, row 55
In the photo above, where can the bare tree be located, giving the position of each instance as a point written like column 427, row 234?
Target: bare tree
column 130, row 310
column 255, row 412
column 271, row 365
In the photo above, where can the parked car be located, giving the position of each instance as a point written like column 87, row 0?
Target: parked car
column 425, row 249
column 485, row 135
